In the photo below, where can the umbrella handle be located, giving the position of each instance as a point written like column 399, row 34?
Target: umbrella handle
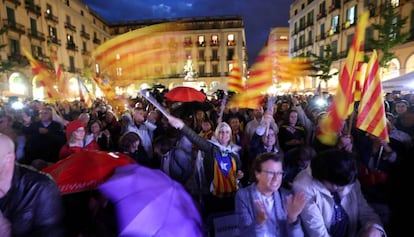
column 153, row 101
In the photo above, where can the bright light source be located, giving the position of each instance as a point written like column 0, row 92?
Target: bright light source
column 17, row 105
column 320, row 102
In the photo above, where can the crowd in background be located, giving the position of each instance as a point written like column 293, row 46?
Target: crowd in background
column 45, row 133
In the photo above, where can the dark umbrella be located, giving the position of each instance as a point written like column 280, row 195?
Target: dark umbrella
column 150, row 203
column 188, row 108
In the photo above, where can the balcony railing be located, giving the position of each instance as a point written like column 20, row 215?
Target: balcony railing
column 14, row 26
column 96, row 41
column 201, row 44
column 69, row 26
column 36, row 34
column 54, row 40
column 30, row 7
column 15, row 2
column 72, row 47
column 321, row 15
column 51, row 17
column 214, row 43
column 85, row 35
column 215, row 58
column 188, row 44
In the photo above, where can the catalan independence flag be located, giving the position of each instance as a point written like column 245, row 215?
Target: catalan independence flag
column 343, row 100
column 43, row 77
column 235, row 83
column 257, row 83
column 371, row 112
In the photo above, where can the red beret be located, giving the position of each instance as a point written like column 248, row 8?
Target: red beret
column 72, row 126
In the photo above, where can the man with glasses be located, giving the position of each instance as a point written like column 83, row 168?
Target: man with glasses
column 264, row 208
column 30, row 203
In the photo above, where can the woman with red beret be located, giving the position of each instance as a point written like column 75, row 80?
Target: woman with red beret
column 75, row 135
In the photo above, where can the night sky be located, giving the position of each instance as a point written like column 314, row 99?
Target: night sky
column 259, row 16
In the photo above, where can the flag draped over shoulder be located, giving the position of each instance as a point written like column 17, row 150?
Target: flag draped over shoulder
column 343, row 100
column 371, row 112
column 258, row 82
column 138, row 54
column 235, row 83
column 43, row 77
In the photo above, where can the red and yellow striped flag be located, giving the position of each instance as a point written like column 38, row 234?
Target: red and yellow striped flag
column 371, row 112
column 257, row 84
column 44, row 77
column 343, row 100
column 287, row 69
column 235, row 83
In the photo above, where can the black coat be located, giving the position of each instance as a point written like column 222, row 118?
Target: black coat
column 33, row 204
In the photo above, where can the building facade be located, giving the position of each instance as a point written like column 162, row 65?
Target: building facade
column 314, row 24
column 70, row 31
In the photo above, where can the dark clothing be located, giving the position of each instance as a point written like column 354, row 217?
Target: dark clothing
column 43, row 146
column 33, row 204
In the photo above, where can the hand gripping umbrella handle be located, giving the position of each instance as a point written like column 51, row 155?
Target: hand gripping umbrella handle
column 153, row 101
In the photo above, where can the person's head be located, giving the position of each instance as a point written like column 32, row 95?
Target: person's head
column 200, row 115
column 75, row 131
column 7, row 158
column 292, row 117
column 335, row 168
column 95, row 126
column 234, row 123
column 162, row 145
column 138, row 115
column 129, row 142
column 84, row 117
column 45, row 114
column 269, row 139
column 223, row 133
column 207, row 125
column 258, row 113
column 110, row 116
column 401, row 106
column 300, row 156
column 268, row 171
column 6, row 121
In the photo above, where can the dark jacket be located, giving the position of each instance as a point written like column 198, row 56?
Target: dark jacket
column 43, row 146
column 33, row 204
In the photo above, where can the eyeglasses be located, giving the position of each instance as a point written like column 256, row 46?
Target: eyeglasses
column 272, row 174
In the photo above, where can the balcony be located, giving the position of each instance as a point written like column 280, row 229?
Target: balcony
column 36, row 34
column 85, row 35
column 13, row 26
column 214, row 43
column 96, row 40
column 53, row 40
column 17, row 58
column 188, row 44
column 86, row 52
column 15, row 2
column 51, row 17
column 231, row 43
column 214, row 58
column 333, row 7
column 320, row 15
column 201, row 44
column 72, row 47
column 31, row 7
column 69, row 26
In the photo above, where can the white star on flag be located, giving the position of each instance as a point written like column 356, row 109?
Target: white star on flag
column 223, row 166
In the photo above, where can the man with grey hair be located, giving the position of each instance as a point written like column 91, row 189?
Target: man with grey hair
column 30, row 202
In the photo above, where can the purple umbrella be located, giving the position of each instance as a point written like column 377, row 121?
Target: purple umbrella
column 150, row 203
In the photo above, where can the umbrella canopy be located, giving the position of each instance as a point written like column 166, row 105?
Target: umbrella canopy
column 85, row 170
column 185, row 94
column 150, row 203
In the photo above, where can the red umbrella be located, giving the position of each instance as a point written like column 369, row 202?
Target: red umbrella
column 85, row 170
column 185, row 94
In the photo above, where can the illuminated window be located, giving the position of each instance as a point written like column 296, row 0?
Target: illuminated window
column 230, row 40
column 201, row 41
column 214, row 40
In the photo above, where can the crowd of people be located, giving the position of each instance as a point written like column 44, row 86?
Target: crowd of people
column 266, row 165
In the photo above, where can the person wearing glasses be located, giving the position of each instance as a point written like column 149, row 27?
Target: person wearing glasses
column 264, row 208
column 335, row 205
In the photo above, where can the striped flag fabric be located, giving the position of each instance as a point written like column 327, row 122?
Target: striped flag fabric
column 342, row 103
column 235, row 83
column 257, row 83
column 43, row 76
column 288, row 69
column 371, row 112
